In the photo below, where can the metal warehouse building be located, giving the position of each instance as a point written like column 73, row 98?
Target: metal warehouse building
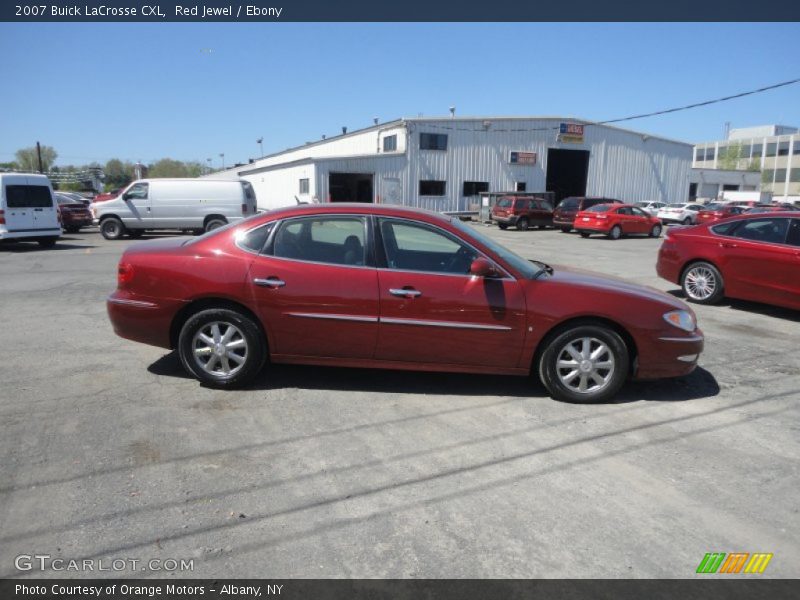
column 444, row 164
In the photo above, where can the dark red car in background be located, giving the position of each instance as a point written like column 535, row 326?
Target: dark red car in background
column 74, row 215
column 716, row 212
column 522, row 212
column 357, row 285
column 616, row 220
column 107, row 195
column 566, row 210
column 751, row 257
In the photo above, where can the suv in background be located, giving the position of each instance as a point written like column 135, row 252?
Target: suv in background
column 564, row 214
column 522, row 212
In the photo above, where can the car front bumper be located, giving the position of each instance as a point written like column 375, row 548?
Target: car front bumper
column 670, row 354
column 507, row 220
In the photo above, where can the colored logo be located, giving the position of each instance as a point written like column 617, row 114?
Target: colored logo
column 735, row 562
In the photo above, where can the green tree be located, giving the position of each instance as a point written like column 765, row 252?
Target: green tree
column 167, row 167
column 729, row 157
column 755, row 164
column 29, row 161
column 118, row 174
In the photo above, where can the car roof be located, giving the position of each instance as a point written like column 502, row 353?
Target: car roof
column 386, row 210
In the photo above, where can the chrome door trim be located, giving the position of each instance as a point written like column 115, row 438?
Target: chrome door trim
column 403, row 293
column 270, row 283
column 334, row 317
column 137, row 303
column 447, row 324
column 694, row 338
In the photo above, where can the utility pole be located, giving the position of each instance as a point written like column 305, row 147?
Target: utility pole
column 260, row 142
column 39, row 155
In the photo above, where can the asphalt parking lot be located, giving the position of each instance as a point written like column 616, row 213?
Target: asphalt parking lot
column 110, row 451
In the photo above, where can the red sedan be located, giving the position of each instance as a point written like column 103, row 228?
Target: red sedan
column 616, row 220
column 752, row 257
column 716, row 212
column 359, row 285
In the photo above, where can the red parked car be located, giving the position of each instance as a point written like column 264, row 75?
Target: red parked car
column 752, row 257
column 616, row 220
column 522, row 212
column 358, row 285
column 566, row 210
column 74, row 215
column 716, row 212
column 768, row 208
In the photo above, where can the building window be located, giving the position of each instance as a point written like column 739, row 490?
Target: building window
column 783, row 148
column 699, row 154
column 767, row 175
column 796, row 148
column 745, row 153
column 390, row 143
column 780, row 175
column 432, row 141
column 758, row 150
column 304, row 186
column 429, row 187
column 794, row 176
column 709, row 153
column 772, row 147
column 473, row 188
column 730, row 187
column 520, row 186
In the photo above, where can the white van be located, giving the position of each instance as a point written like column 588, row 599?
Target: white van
column 28, row 209
column 196, row 204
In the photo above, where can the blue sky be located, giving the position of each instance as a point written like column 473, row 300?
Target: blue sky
column 191, row 91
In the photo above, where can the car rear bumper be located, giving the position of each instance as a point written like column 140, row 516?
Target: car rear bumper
column 669, row 355
column 668, row 265
column 142, row 319
column 29, row 234
column 563, row 221
column 591, row 229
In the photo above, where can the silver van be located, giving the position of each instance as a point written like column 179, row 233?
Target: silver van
column 194, row 204
column 28, row 209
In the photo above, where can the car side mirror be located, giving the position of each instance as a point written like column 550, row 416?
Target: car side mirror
column 482, row 267
column 126, row 196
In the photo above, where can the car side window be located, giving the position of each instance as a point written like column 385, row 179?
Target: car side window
column 639, row 212
column 254, row 239
column 137, row 192
column 772, row 231
column 793, row 237
column 625, row 210
column 417, row 247
column 336, row 240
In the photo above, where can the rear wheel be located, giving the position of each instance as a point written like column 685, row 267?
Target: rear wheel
column 584, row 234
column 72, row 229
column 615, row 233
column 502, row 226
column 47, row 242
column 215, row 223
column 566, row 229
column 522, row 224
column 655, row 231
column 702, row 283
column 687, row 221
column 112, row 228
column 222, row 347
column 585, row 363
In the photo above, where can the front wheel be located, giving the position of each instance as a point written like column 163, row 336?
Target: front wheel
column 522, row 224
column 655, row 231
column 215, row 223
column 615, row 233
column 702, row 283
column 112, row 228
column 222, row 348
column 687, row 221
column 585, row 364
column 502, row 226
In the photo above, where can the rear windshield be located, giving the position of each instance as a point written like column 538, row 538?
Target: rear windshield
column 599, row 208
column 504, row 202
column 248, row 191
column 569, row 204
column 713, row 206
column 28, row 196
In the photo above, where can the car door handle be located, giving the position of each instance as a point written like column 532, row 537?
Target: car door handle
column 270, row 282
column 405, row 292
column 727, row 245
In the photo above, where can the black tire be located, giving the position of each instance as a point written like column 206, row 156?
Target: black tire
column 687, row 221
column 502, row 226
column 553, row 377
column 135, row 233
column 522, row 224
column 47, row 242
column 615, row 233
column 112, row 228
column 656, row 231
column 215, row 223
column 254, row 350
column 566, row 229
column 584, row 234
column 72, row 229
column 702, row 283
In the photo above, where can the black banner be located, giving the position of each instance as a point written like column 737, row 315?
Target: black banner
column 440, row 589
column 406, row 11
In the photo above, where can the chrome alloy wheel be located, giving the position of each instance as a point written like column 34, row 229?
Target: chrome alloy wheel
column 220, row 349
column 585, row 365
column 700, row 283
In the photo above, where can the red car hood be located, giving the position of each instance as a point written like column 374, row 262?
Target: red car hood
column 578, row 277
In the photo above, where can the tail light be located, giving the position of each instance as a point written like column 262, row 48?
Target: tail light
column 2, row 217
column 601, row 217
column 244, row 209
column 58, row 212
column 124, row 273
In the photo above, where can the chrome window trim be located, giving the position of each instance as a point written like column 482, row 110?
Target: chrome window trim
column 334, row 317
column 280, row 222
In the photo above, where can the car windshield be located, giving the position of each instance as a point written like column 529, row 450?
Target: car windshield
column 528, row 269
column 599, row 208
column 64, row 199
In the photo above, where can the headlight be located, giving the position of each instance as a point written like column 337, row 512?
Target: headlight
column 682, row 319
